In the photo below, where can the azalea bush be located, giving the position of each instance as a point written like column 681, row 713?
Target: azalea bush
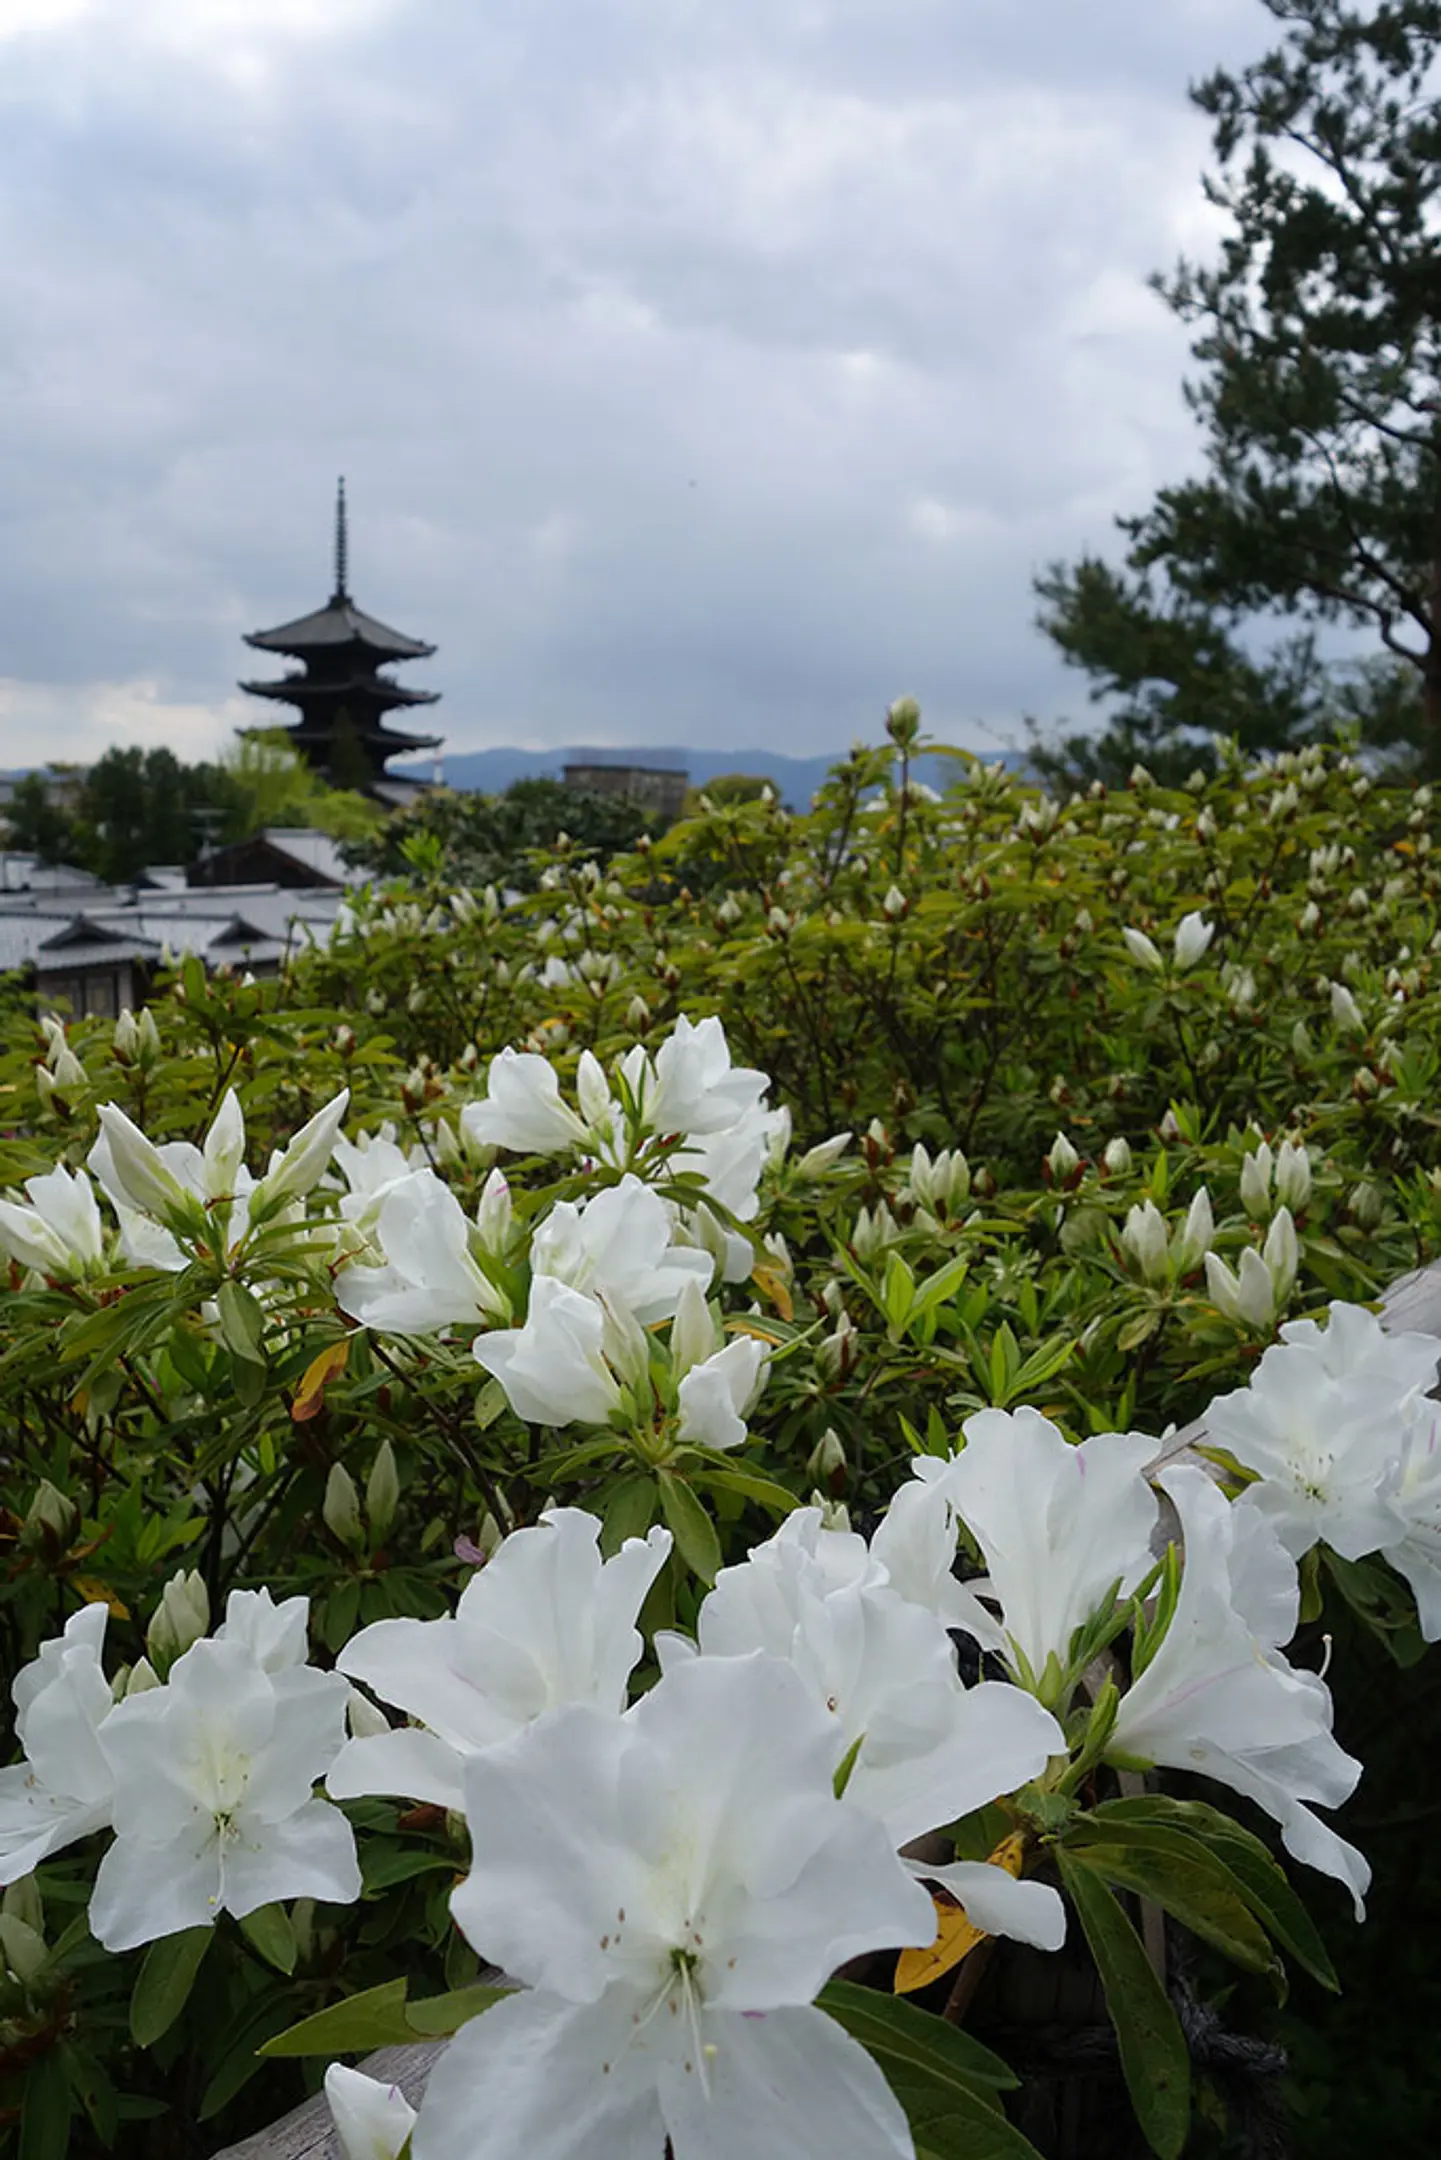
column 628, row 1434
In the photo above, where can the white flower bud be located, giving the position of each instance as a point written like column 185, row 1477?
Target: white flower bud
column 820, row 1157
column 1142, row 951
column 1248, row 1296
column 127, row 1036
column 494, row 1215
column 1256, row 1183
column 1345, row 1011
column 1063, row 1159
column 1282, row 1254
column 694, row 1336
column 895, row 903
column 1293, row 1174
column 1192, row 1241
column 382, row 1492
column 1117, row 1157
column 363, row 1719
column 1144, row 1237
column 341, row 1507
column 181, row 1618
column 1193, row 938
column 827, row 1459
column 592, row 1092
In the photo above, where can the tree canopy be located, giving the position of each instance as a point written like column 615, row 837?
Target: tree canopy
column 1318, row 333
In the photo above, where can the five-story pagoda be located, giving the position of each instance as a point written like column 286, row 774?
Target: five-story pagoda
column 342, row 697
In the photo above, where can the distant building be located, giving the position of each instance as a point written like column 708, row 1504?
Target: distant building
column 98, row 948
column 341, row 696
column 660, row 790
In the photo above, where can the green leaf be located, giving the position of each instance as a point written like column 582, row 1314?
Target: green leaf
column 898, row 1289
column 1260, row 1879
column 241, row 2060
column 690, row 1526
column 1153, row 2047
column 437, row 2016
column 242, row 1322
column 45, row 2109
column 946, row 2081
column 1138, row 1329
column 938, row 1287
column 268, row 1931
column 628, row 1511
column 887, row 2025
column 1044, row 1363
column 163, row 1983
column 749, row 1485
column 1188, row 1881
column 356, row 2026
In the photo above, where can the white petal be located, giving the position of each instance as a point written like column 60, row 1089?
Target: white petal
column 145, row 1891
column 1028, row 1912
column 789, row 2082
column 537, row 2078
column 310, row 1854
column 409, row 1764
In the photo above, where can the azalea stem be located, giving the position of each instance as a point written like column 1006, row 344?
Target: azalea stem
column 968, row 1980
column 450, row 1426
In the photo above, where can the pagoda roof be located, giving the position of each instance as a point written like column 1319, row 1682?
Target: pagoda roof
column 339, row 623
column 309, row 689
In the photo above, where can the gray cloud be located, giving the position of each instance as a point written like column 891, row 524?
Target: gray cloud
column 702, row 369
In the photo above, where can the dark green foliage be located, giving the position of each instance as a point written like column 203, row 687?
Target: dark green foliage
column 1318, row 333
column 490, row 839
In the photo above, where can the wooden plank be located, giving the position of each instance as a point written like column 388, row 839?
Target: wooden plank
column 307, row 2132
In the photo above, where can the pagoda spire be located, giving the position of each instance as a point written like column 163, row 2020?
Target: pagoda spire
column 342, row 546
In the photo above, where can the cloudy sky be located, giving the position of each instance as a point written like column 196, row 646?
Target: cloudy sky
column 703, row 371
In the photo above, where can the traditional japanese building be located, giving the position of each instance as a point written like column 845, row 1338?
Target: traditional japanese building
column 341, row 696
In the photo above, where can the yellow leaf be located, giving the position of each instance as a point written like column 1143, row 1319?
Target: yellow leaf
column 956, row 1937
column 773, row 1286
column 329, row 1365
column 96, row 1592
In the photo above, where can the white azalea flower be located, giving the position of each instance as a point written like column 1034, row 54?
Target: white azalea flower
column 717, row 1395
column 675, row 1885
column 1354, row 1345
column 697, row 1090
column 1324, row 1424
column 213, row 1796
column 522, row 1109
column 274, row 1635
column 1219, row 1699
column 60, row 1232
column 372, row 2121
column 546, row 1621
column 617, row 1247
column 1059, row 1528
column 930, row 1750
column 1416, row 1497
column 174, row 1191
column 554, row 1369
column 429, row 1279
column 63, row 1790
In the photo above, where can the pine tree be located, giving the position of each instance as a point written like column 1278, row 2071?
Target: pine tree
column 1318, row 332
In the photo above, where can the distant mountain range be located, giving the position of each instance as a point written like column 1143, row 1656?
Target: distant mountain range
column 491, row 772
